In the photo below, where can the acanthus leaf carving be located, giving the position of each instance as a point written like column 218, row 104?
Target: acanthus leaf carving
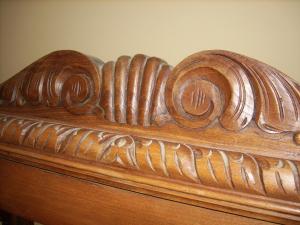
column 234, row 171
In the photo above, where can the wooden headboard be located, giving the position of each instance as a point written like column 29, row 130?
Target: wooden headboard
column 219, row 132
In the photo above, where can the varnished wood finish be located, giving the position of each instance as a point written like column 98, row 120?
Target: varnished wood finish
column 218, row 131
column 54, row 199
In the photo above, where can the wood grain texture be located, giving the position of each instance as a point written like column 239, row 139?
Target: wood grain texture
column 219, row 130
column 92, row 204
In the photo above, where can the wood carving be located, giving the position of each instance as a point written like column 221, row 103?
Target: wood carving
column 205, row 88
column 248, row 173
column 219, row 129
column 62, row 78
column 235, row 89
column 130, row 90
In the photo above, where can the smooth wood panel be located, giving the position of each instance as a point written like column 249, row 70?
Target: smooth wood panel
column 52, row 198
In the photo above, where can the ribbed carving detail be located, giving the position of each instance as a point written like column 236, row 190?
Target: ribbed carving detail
column 132, row 90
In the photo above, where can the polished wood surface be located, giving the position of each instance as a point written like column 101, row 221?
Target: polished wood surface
column 55, row 199
column 219, row 132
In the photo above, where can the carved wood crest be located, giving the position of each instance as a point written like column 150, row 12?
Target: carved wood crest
column 205, row 88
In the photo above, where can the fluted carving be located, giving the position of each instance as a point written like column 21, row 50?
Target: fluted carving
column 133, row 90
column 203, row 90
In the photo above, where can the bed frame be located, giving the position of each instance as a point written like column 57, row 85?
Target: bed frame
column 215, row 140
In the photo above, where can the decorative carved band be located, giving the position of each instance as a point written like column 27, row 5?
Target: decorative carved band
column 204, row 89
column 272, row 177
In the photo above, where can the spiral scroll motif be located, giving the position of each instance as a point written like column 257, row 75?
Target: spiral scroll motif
column 222, row 86
column 201, row 90
column 65, row 78
column 205, row 89
column 130, row 90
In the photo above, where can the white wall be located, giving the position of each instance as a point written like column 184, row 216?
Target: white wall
column 267, row 30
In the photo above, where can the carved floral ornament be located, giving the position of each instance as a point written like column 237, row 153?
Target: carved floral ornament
column 205, row 88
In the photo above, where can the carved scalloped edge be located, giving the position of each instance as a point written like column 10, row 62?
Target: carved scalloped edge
column 204, row 88
column 238, row 172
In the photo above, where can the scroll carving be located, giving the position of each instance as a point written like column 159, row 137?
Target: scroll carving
column 204, row 90
column 235, row 89
column 61, row 78
column 267, row 176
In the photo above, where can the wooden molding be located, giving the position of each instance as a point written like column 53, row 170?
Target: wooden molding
column 266, row 176
column 218, row 126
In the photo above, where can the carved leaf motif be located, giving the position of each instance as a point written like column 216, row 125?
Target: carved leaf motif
column 217, row 168
column 246, row 89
